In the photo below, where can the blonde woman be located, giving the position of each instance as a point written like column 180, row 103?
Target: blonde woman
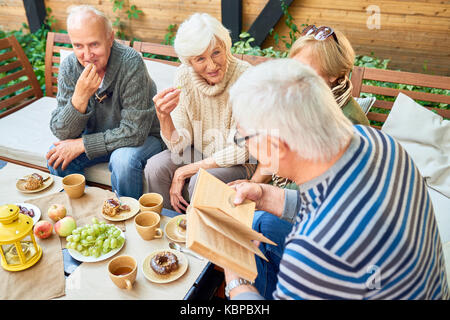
column 195, row 116
column 331, row 55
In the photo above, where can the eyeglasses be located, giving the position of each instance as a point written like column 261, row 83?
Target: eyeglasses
column 240, row 140
column 321, row 33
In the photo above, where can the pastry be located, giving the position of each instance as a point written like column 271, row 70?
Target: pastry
column 164, row 263
column 112, row 207
column 34, row 181
column 181, row 227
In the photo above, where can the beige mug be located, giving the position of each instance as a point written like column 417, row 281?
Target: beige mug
column 74, row 185
column 147, row 225
column 122, row 271
column 151, row 202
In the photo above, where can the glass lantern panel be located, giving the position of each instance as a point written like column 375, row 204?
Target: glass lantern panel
column 11, row 255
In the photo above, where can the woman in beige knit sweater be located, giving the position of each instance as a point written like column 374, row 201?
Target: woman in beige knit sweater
column 195, row 116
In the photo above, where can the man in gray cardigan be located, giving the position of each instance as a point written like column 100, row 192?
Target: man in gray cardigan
column 105, row 110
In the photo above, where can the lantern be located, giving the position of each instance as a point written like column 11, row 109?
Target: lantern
column 18, row 246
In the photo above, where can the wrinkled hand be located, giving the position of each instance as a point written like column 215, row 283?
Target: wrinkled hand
column 248, row 190
column 235, row 182
column 166, row 101
column 176, row 198
column 64, row 152
column 87, row 84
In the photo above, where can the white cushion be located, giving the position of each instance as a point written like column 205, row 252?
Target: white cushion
column 29, row 138
column 163, row 74
column 63, row 54
column 426, row 137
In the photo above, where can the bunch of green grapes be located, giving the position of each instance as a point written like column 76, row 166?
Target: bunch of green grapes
column 96, row 239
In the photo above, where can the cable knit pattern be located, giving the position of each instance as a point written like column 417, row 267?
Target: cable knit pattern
column 204, row 114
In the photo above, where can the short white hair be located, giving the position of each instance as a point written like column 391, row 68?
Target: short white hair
column 198, row 33
column 289, row 98
column 76, row 15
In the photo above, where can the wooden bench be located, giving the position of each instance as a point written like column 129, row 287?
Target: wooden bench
column 361, row 80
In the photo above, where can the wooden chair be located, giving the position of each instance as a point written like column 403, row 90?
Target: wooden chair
column 56, row 42
column 380, row 115
column 14, row 63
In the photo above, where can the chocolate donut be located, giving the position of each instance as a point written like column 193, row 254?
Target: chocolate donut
column 164, row 263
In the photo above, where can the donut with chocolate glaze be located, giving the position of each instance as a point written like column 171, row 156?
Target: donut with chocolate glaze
column 164, row 263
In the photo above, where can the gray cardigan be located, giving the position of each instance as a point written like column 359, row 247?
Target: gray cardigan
column 124, row 119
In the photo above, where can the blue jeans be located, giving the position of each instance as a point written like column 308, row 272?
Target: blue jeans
column 276, row 230
column 126, row 165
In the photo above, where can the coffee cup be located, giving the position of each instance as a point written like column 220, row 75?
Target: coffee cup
column 122, row 271
column 147, row 225
column 74, row 185
column 151, row 202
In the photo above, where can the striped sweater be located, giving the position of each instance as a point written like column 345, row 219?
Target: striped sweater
column 363, row 230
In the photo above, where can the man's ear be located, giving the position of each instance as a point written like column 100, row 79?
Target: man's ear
column 281, row 146
column 111, row 38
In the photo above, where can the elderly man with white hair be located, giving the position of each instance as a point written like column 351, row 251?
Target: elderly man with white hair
column 364, row 226
column 105, row 110
column 195, row 115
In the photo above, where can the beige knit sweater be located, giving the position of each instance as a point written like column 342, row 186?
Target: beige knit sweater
column 203, row 117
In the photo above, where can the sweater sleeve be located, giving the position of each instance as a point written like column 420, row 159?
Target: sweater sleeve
column 67, row 122
column 180, row 115
column 231, row 154
column 137, row 112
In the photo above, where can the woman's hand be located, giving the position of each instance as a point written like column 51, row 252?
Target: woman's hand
column 176, row 189
column 166, row 101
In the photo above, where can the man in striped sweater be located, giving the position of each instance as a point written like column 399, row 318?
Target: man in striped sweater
column 363, row 223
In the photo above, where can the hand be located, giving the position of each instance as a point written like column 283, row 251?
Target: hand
column 64, row 152
column 87, row 84
column 235, row 182
column 248, row 190
column 176, row 198
column 166, row 101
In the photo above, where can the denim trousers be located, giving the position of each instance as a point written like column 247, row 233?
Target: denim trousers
column 276, row 230
column 126, row 165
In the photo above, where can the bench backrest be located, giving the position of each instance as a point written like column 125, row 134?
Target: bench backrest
column 378, row 113
column 367, row 80
column 18, row 83
column 159, row 50
column 56, row 42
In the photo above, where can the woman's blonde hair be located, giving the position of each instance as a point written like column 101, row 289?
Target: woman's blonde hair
column 336, row 59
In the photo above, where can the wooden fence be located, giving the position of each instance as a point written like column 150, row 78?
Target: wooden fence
column 415, row 35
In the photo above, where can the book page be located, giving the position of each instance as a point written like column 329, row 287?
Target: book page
column 217, row 248
column 211, row 192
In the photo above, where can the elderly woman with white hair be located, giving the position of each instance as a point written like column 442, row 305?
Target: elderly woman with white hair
column 364, row 226
column 195, row 115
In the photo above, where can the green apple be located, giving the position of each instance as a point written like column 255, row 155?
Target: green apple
column 65, row 226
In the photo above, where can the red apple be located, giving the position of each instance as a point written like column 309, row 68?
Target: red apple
column 43, row 229
column 56, row 212
column 65, row 226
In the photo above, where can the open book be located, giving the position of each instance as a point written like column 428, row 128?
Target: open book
column 220, row 231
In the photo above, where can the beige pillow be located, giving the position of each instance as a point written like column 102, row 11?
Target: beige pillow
column 426, row 137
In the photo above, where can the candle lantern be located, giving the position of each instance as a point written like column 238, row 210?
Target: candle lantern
column 18, row 247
